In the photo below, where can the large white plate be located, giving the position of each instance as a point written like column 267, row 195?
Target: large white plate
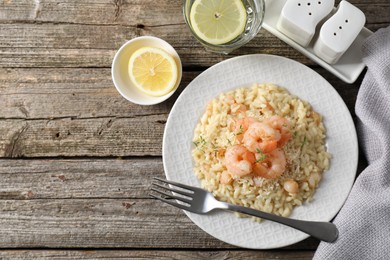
column 299, row 80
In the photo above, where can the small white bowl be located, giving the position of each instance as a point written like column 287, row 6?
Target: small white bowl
column 119, row 70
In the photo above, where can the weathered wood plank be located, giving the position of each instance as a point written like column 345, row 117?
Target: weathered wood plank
column 82, row 137
column 78, row 179
column 70, row 92
column 53, row 53
column 154, row 254
column 92, row 203
column 46, row 93
column 87, row 202
column 191, row 55
column 96, row 223
column 131, row 12
column 102, row 223
column 76, row 45
column 78, row 112
column 42, row 57
column 74, row 38
column 66, row 36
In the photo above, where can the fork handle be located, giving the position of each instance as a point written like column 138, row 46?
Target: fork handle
column 324, row 231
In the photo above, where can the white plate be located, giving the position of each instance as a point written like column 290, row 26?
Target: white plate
column 299, row 80
column 350, row 65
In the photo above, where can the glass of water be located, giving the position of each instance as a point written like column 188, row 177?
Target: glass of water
column 223, row 26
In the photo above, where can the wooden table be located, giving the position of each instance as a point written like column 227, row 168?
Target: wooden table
column 77, row 159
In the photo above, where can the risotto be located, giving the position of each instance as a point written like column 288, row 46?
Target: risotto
column 260, row 147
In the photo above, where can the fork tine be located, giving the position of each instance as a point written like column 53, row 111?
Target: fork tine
column 188, row 194
column 171, row 202
column 172, row 196
column 175, row 183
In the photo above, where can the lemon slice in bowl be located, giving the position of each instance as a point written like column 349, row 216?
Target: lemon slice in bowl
column 153, row 71
column 218, row 21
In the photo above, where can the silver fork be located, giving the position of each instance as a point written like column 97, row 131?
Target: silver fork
column 200, row 201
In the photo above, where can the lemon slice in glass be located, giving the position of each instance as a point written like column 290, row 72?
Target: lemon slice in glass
column 153, row 71
column 218, row 21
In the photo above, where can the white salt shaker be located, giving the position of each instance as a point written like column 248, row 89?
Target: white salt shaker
column 338, row 33
column 299, row 18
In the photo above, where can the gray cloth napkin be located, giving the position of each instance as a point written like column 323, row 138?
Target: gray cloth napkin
column 364, row 220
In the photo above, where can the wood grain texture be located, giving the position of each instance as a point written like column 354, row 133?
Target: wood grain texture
column 87, row 33
column 103, row 223
column 154, row 254
column 100, row 12
column 64, row 129
column 40, row 93
column 79, row 45
column 93, row 204
column 78, row 112
column 131, row 12
column 138, row 136
column 78, row 178
column 49, row 93
column 97, row 223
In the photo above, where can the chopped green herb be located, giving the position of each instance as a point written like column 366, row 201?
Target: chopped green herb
column 200, row 143
column 230, row 142
column 216, row 149
column 241, row 131
column 303, row 142
column 295, row 134
column 262, row 156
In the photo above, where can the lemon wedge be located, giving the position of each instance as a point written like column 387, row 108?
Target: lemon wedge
column 153, row 71
column 218, row 21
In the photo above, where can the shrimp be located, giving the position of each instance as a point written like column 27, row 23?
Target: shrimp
column 226, row 178
column 314, row 179
column 291, row 186
column 261, row 137
column 240, row 126
column 283, row 126
column 239, row 160
column 272, row 166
